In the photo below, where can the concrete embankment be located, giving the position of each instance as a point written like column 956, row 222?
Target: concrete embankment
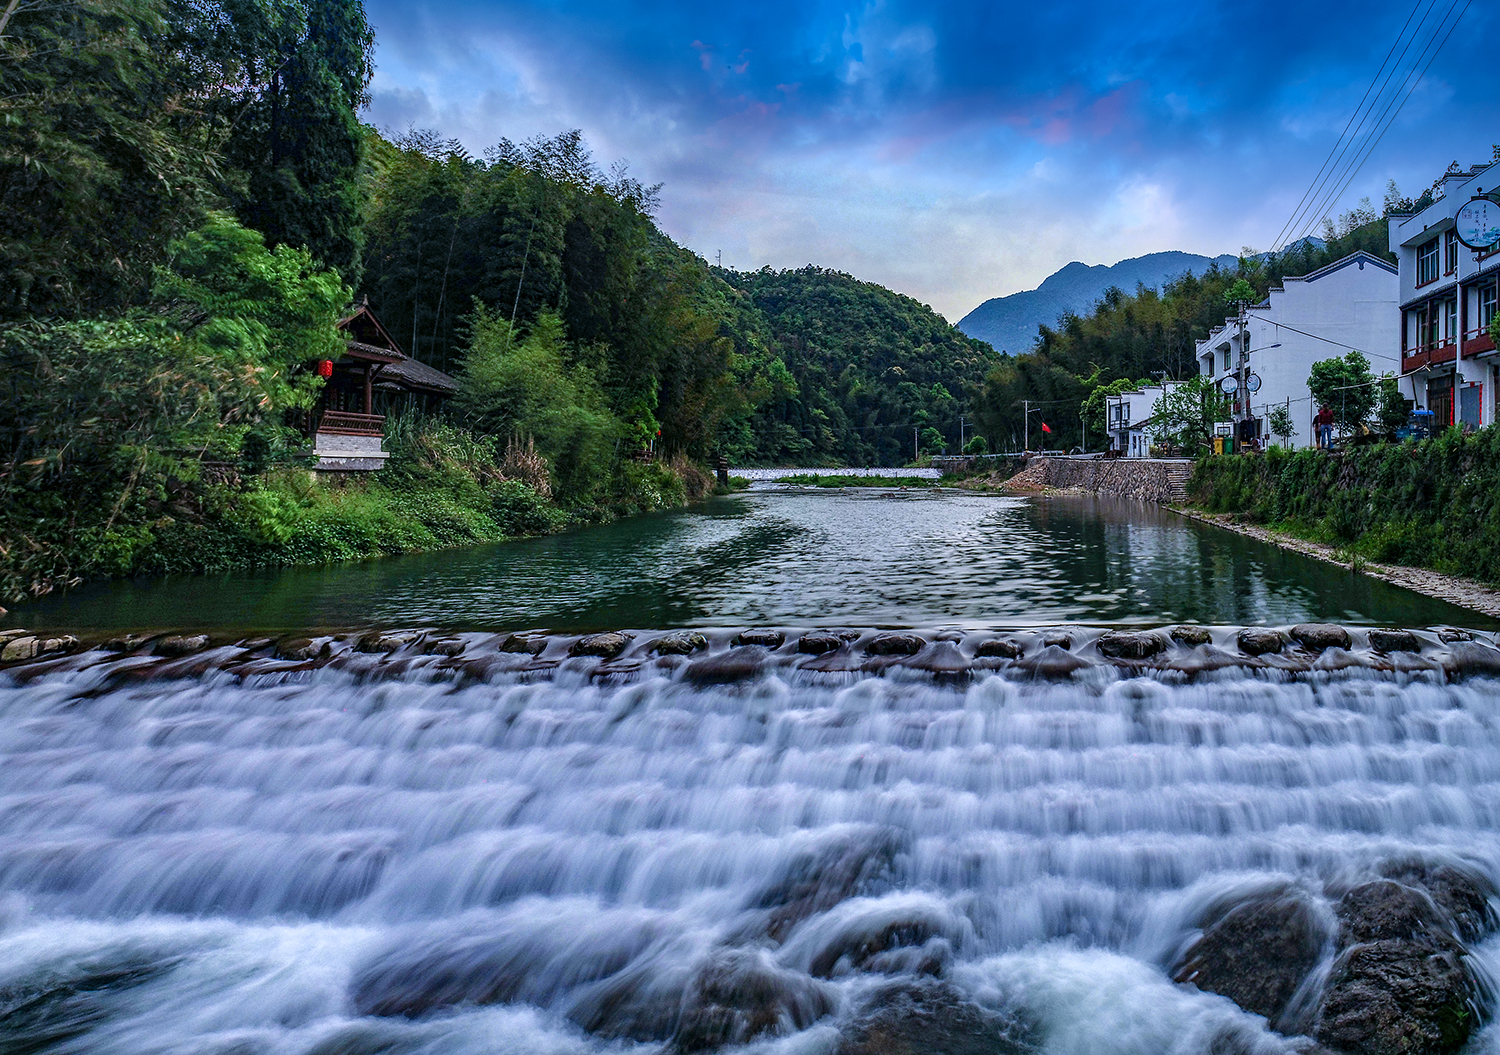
column 1159, row 480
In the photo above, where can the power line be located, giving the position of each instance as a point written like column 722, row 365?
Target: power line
column 1340, row 344
column 1296, row 212
column 1393, row 107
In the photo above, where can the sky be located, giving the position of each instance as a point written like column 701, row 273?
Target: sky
column 951, row 151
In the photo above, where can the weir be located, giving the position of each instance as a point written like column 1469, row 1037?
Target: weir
column 852, row 840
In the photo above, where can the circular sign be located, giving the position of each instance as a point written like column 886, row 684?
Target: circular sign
column 1230, row 385
column 1253, row 382
column 1478, row 223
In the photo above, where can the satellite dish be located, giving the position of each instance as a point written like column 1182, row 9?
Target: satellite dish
column 1478, row 223
column 1230, row 385
column 1253, row 382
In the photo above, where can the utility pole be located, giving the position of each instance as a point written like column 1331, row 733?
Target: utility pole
column 719, row 262
column 1026, row 440
column 915, row 452
column 1242, row 393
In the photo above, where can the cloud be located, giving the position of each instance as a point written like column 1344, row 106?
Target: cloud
column 953, row 150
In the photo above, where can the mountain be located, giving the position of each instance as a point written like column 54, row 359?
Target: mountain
column 1009, row 323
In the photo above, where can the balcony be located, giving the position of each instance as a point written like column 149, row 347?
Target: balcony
column 1476, row 341
column 1428, row 355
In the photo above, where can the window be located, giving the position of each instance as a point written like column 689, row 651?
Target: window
column 1427, row 327
column 1427, row 262
column 1450, row 252
column 1486, row 306
column 1450, row 321
column 1226, row 358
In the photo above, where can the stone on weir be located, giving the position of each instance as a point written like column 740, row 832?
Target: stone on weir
column 1260, row 640
column 1052, row 662
column 763, row 638
column 176, row 645
column 19, row 649
column 1470, row 658
column 738, row 664
column 531, row 646
column 1190, row 635
column 1321, row 635
column 605, row 646
column 1000, row 648
column 1057, row 640
column 680, row 644
column 895, row 644
column 1394, row 641
column 815, row 644
column 304, row 648
column 1130, row 644
column 386, row 641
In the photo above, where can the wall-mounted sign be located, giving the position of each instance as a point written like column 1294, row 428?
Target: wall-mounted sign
column 1253, row 382
column 1478, row 223
column 1230, row 385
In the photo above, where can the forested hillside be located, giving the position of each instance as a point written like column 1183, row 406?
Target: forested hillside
column 857, row 370
column 1147, row 334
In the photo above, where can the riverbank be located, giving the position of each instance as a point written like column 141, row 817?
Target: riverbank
column 1466, row 593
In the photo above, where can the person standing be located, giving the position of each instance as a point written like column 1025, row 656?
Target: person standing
column 1324, row 425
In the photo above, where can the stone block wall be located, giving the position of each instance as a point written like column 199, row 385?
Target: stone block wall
column 1159, row 480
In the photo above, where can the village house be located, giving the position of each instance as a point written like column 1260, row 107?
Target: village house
column 1127, row 419
column 1348, row 304
column 372, row 379
column 1448, row 297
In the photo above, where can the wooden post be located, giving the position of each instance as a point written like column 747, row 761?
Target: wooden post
column 368, row 370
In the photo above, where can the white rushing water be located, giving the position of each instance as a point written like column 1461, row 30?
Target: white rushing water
column 323, row 865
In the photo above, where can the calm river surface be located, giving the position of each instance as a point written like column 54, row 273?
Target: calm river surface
column 868, row 557
column 402, row 856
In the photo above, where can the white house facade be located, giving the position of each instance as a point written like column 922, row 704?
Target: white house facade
column 1350, row 303
column 1449, row 365
column 1127, row 418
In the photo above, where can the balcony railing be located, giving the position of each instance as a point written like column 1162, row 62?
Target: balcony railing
column 345, row 423
column 1478, row 340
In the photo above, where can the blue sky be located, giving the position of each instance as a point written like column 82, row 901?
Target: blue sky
column 952, row 151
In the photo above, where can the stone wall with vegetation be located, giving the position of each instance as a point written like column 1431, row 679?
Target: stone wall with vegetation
column 1432, row 504
column 1161, row 481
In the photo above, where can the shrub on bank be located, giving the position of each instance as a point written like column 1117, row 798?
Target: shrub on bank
column 1433, row 503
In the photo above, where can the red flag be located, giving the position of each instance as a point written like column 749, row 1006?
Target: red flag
column 1045, row 428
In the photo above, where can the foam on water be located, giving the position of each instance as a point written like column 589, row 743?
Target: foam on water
column 323, row 863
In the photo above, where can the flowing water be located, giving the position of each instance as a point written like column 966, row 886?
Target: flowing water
column 577, row 857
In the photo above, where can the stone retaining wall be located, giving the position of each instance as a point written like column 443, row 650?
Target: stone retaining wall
column 1159, row 480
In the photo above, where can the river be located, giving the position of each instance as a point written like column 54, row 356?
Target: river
column 550, row 856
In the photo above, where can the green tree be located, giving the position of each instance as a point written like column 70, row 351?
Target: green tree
column 1345, row 385
column 1241, row 291
column 298, row 140
column 1184, row 416
column 1393, row 409
column 1279, row 421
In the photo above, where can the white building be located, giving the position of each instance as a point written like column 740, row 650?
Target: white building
column 1449, row 364
column 1350, row 303
column 1127, row 418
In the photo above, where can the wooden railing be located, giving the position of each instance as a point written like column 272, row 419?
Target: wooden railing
column 1478, row 340
column 345, row 423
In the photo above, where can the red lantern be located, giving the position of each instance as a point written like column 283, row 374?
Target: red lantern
column 325, row 367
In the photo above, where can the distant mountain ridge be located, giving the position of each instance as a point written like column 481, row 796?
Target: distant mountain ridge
column 1009, row 323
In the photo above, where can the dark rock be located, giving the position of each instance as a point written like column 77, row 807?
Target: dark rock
column 1394, row 641
column 301, row 648
column 1056, row 640
column 680, row 644
column 126, row 642
column 386, row 641
column 738, row 664
column 741, row 994
column 1448, row 634
column 815, row 882
column 762, row 638
column 255, row 644
column 1052, row 662
column 816, row 644
column 902, row 947
column 1400, row 985
column 1472, row 658
column 1260, row 640
column 1192, row 636
column 1130, row 644
column 943, row 659
column 896, row 644
column 1256, row 953
column 530, row 646
column 1321, row 635
column 449, row 647
column 930, row 1017
column 1399, row 997
column 605, row 646
column 1000, row 647
column 1460, row 893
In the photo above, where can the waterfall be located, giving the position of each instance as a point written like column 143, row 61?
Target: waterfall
column 320, row 861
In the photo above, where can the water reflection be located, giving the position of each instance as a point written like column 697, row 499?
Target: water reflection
column 908, row 557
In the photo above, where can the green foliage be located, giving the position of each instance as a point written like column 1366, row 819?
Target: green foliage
column 1433, row 504
column 1094, row 404
column 976, row 445
column 1346, row 386
column 1185, row 414
column 1392, row 410
column 1240, row 292
column 1279, row 421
